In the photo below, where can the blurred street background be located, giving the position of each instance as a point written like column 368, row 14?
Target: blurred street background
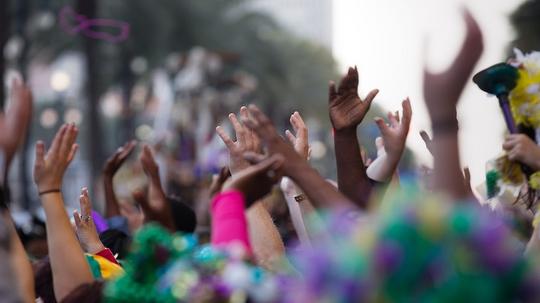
column 184, row 65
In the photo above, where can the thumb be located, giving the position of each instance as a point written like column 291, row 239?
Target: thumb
column 77, row 218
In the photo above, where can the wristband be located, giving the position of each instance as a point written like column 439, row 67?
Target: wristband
column 445, row 126
column 50, row 191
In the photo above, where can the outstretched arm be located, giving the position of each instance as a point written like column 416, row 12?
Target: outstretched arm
column 347, row 110
column 111, row 167
column 441, row 93
column 68, row 264
column 264, row 237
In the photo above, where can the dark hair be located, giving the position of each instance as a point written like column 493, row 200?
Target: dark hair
column 184, row 217
column 86, row 293
column 43, row 281
column 117, row 241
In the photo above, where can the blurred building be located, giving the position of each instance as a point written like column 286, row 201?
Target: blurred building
column 311, row 19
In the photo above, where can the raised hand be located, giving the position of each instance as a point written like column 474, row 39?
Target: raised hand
column 155, row 207
column 86, row 229
column 266, row 132
column 395, row 134
column 111, row 167
column 257, row 180
column 50, row 167
column 442, row 91
column 318, row 190
column 118, row 158
column 300, row 137
column 347, row 109
column 246, row 141
column 16, row 120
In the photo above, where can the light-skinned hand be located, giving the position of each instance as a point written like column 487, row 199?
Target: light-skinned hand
column 86, row 229
column 521, row 148
column 50, row 166
column 300, row 137
column 395, row 134
column 246, row 141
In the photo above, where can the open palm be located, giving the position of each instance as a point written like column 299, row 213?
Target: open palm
column 347, row 109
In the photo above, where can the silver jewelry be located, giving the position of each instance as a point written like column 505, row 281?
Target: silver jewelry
column 86, row 218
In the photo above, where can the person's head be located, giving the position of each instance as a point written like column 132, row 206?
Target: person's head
column 117, row 241
column 184, row 217
column 43, row 281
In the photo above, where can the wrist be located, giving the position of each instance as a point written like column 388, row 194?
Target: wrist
column 48, row 187
column 94, row 247
column 345, row 132
column 445, row 126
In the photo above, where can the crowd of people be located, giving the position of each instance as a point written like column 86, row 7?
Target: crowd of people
column 369, row 237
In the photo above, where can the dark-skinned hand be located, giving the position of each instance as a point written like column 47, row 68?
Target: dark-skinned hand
column 118, row 158
column 257, row 180
column 346, row 108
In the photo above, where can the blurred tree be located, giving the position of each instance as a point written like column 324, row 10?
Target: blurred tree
column 526, row 21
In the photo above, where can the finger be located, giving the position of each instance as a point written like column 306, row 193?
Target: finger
column 349, row 81
column 257, row 114
column 383, row 127
column 290, row 136
column 425, row 137
column 225, row 137
column 55, row 145
column 84, row 200
column 371, row 96
column 127, row 149
column 244, row 113
column 396, row 114
column 508, row 146
column 298, row 125
column 238, row 129
column 467, row 174
column 68, row 141
column 251, row 137
column 332, row 93
column 40, row 153
column 72, row 152
column 77, row 218
column 407, row 114
column 264, row 127
column 224, row 174
column 392, row 119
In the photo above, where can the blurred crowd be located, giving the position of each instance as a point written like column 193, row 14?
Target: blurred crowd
column 268, row 227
